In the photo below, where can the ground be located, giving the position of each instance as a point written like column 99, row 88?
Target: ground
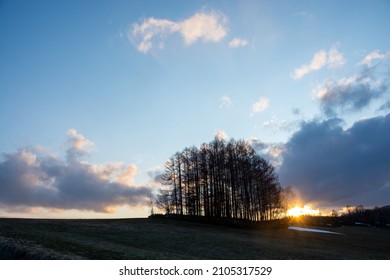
column 172, row 239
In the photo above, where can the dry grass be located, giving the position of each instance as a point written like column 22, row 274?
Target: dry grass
column 172, row 239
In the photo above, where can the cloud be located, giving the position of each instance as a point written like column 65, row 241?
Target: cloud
column 156, row 174
column 317, row 62
column 385, row 106
column 226, row 102
column 260, row 105
column 350, row 94
column 333, row 58
column 257, row 144
column 221, row 135
column 78, row 145
column 370, row 57
column 304, row 14
column 31, row 179
column 330, row 165
column 208, row 26
column 143, row 33
column 270, row 151
column 275, row 124
column 296, row 111
column 127, row 175
column 236, row 42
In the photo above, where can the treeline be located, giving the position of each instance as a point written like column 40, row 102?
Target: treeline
column 358, row 215
column 221, row 179
column 352, row 216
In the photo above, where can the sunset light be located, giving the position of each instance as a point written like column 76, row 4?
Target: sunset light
column 300, row 211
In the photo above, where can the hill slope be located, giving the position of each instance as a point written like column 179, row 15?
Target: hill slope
column 172, row 239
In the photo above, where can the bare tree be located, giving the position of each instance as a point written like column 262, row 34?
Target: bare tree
column 221, row 179
column 288, row 199
column 164, row 200
column 151, row 202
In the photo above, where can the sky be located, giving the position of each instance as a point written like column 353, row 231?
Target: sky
column 96, row 95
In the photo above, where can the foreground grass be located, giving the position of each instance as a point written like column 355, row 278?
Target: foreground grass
column 172, row 239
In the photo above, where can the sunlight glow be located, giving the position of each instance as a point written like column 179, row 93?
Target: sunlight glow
column 305, row 210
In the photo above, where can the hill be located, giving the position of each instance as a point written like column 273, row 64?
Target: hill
column 175, row 239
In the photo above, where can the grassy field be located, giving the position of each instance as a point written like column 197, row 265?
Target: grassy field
column 173, row 239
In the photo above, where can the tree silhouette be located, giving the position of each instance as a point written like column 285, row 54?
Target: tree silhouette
column 164, row 200
column 220, row 179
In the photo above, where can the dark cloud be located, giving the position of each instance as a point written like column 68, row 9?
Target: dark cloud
column 351, row 94
column 332, row 166
column 385, row 106
column 32, row 179
column 156, row 175
column 296, row 111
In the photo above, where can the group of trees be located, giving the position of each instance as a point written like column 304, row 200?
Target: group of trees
column 221, row 179
column 360, row 215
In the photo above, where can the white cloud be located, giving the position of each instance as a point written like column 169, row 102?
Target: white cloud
column 276, row 124
column 207, row 26
column 226, row 102
column 257, row 144
column 276, row 151
column 27, row 157
column 106, row 171
column 221, row 135
column 333, row 58
column 260, row 105
column 318, row 61
column 236, row 42
column 301, row 71
column 151, row 27
column 78, row 141
column 79, row 145
column 370, row 57
column 127, row 175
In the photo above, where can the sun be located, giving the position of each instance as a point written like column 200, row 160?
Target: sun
column 305, row 210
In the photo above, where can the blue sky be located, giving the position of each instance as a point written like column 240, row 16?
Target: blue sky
column 114, row 88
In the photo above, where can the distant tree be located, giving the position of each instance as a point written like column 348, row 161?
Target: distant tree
column 334, row 213
column 362, row 216
column 151, row 202
column 349, row 209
